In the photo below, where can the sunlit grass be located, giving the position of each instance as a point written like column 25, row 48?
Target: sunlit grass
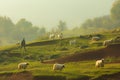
column 71, row 70
column 60, row 48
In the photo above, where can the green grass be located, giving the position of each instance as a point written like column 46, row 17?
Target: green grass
column 10, row 56
column 72, row 70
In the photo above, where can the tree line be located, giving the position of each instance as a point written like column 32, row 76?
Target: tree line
column 106, row 22
column 10, row 32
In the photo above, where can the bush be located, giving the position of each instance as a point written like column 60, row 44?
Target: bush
column 29, row 57
column 83, row 47
column 54, row 56
column 63, row 48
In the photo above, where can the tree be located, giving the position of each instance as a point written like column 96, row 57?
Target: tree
column 11, row 33
column 6, row 26
column 87, row 24
column 23, row 24
column 115, row 10
column 42, row 31
column 62, row 26
column 25, row 29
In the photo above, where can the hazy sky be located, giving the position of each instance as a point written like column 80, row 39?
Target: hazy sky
column 48, row 12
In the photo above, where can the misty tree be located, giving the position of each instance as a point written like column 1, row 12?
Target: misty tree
column 11, row 33
column 62, row 26
column 26, row 29
column 98, row 24
column 75, row 28
column 115, row 10
column 6, row 26
column 42, row 31
column 23, row 25
column 88, row 23
column 115, row 13
column 53, row 30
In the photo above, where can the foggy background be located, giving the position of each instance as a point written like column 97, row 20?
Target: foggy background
column 47, row 13
column 36, row 20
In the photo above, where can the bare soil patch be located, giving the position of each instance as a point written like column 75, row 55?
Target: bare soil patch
column 109, row 51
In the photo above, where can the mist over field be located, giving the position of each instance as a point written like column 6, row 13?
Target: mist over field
column 59, row 39
column 48, row 13
column 36, row 19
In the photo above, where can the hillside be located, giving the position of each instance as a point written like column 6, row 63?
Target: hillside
column 54, row 49
column 76, row 57
column 109, row 51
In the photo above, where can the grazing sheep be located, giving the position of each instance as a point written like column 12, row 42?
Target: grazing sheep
column 95, row 38
column 117, row 39
column 99, row 63
column 107, row 42
column 72, row 42
column 23, row 65
column 58, row 66
column 52, row 36
column 18, row 44
column 60, row 36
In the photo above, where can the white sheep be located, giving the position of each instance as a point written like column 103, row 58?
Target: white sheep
column 95, row 38
column 99, row 63
column 107, row 42
column 58, row 66
column 60, row 36
column 23, row 65
column 72, row 42
column 52, row 36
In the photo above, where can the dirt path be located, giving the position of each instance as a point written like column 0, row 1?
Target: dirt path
column 110, row 51
column 115, row 76
column 17, row 76
column 29, row 76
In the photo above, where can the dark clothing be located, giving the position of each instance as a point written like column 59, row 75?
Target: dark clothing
column 23, row 44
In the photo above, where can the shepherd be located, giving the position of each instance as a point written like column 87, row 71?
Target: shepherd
column 23, row 44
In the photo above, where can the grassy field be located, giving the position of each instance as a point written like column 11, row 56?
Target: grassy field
column 72, row 70
column 10, row 56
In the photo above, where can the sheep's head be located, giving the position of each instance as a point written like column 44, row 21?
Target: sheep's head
column 102, row 59
column 27, row 63
column 63, row 66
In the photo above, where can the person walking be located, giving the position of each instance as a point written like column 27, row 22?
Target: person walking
column 23, row 44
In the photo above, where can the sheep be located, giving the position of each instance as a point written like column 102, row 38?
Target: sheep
column 117, row 39
column 95, row 38
column 23, row 65
column 72, row 42
column 18, row 44
column 58, row 66
column 60, row 36
column 107, row 42
column 99, row 63
column 52, row 36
